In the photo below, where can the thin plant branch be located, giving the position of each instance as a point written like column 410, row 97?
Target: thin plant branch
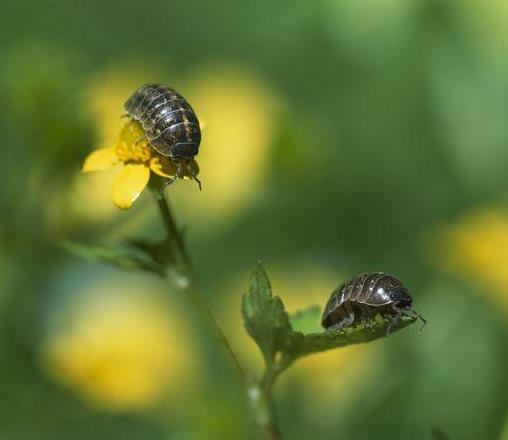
column 185, row 280
column 260, row 395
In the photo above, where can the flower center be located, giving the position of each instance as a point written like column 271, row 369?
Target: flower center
column 132, row 145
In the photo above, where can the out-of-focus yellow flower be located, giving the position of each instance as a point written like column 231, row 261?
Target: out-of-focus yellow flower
column 108, row 90
column 326, row 377
column 476, row 247
column 240, row 113
column 88, row 202
column 486, row 22
column 120, row 348
column 134, row 152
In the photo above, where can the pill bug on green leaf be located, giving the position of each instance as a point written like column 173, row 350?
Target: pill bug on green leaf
column 361, row 299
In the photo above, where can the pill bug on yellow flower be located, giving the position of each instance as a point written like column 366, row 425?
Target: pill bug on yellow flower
column 169, row 123
column 360, row 299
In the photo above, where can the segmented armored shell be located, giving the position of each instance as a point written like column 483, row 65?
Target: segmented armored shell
column 168, row 120
column 364, row 296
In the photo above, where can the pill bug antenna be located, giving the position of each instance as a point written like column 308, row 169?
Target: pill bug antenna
column 414, row 314
column 192, row 173
column 197, row 181
column 421, row 318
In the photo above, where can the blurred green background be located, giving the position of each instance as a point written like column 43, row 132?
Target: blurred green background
column 341, row 137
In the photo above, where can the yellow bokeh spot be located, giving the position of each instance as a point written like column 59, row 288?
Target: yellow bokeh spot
column 89, row 198
column 108, row 91
column 241, row 112
column 476, row 248
column 121, row 348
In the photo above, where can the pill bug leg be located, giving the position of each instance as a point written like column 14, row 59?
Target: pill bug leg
column 192, row 172
column 341, row 325
column 179, row 174
column 368, row 318
column 420, row 317
column 394, row 319
column 167, row 183
column 366, row 321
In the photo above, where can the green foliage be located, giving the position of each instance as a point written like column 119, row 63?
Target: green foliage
column 124, row 257
column 154, row 256
column 298, row 335
column 326, row 340
column 306, row 320
column 401, row 127
column 264, row 315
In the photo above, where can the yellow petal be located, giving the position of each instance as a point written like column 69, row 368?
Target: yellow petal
column 163, row 166
column 129, row 184
column 99, row 160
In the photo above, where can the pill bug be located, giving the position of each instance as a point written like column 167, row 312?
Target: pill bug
column 360, row 299
column 169, row 123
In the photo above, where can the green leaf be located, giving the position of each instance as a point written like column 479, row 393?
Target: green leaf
column 307, row 320
column 158, row 251
column 118, row 256
column 264, row 316
column 301, row 334
column 306, row 344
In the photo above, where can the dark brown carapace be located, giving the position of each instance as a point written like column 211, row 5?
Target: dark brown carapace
column 360, row 299
column 169, row 122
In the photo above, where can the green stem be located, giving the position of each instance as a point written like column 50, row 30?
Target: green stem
column 260, row 394
column 261, row 399
column 184, row 279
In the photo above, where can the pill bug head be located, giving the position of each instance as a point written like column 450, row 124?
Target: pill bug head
column 397, row 293
column 332, row 307
column 185, row 168
column 183, row 151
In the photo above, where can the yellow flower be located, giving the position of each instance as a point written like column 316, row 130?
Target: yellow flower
column 241, row 112
column 120, row 347
column 138, row 158
column 476, row 247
